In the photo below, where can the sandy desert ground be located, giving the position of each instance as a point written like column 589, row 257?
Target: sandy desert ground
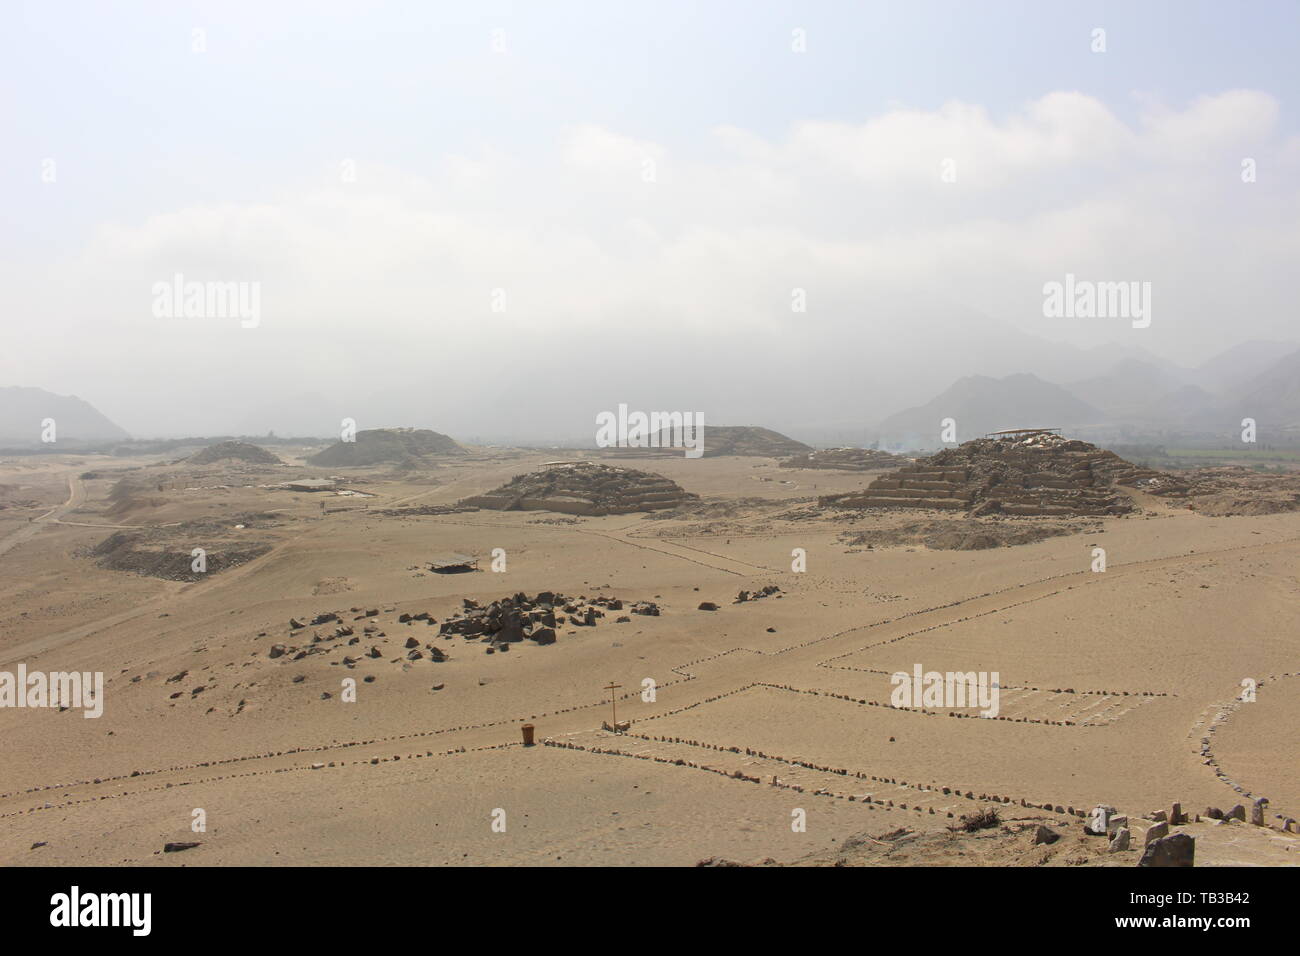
column 1111, row 681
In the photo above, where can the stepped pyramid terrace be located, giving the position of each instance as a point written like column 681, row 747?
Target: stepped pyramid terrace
column 1021, row 472
column 584, row 488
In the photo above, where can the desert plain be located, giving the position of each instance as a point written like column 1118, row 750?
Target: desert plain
column 769, row 735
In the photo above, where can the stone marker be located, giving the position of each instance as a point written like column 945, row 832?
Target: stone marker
column 1157, row 831
column 1257, row 811
column 1121, row 841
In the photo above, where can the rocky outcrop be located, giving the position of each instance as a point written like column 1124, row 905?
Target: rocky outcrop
column 584, row 488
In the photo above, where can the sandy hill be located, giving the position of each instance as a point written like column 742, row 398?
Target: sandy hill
column 980, row 405
column 380, row 445
column 234, row 451
column 749, row 440
column 23, row 409
column 1039, row 474
column 584, row 488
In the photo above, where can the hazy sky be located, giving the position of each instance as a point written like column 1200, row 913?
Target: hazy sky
column 641, row 185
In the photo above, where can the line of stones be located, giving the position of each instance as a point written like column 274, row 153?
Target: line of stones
column 821, row 792
column 256, row 773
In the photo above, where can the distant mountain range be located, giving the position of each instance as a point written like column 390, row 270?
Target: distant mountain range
column 1259, row 380
column 979, row 404
column 1106, row 393
column 1273, row 395
column 23, row 412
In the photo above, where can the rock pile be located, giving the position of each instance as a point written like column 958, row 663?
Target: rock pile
column 846, row 459
column 584, row 488
column 1043, row 474
column 519, row 617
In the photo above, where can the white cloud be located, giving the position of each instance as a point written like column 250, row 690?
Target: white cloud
column 396, row 271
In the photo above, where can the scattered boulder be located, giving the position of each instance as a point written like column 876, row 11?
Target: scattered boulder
column 1178, row 849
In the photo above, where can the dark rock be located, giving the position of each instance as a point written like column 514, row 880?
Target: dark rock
column 1178, row 849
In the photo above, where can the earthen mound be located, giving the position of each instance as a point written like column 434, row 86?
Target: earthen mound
column 846, row 459
column 141, row 553
column 234, row 451
column 584, row 488
column 746, row 440
column 958, row 534
column 384, row 445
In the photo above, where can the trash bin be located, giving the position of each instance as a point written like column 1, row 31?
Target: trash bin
column 528, row 734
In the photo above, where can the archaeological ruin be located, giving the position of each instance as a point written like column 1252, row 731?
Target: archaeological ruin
column 234, row 451
column 584, row 488
column 846, row 459
column 1030, row 472
column 376, row 446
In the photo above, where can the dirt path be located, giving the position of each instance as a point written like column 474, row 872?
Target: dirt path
column 76, row 497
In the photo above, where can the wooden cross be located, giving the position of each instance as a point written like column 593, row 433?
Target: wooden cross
column 613, row 703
